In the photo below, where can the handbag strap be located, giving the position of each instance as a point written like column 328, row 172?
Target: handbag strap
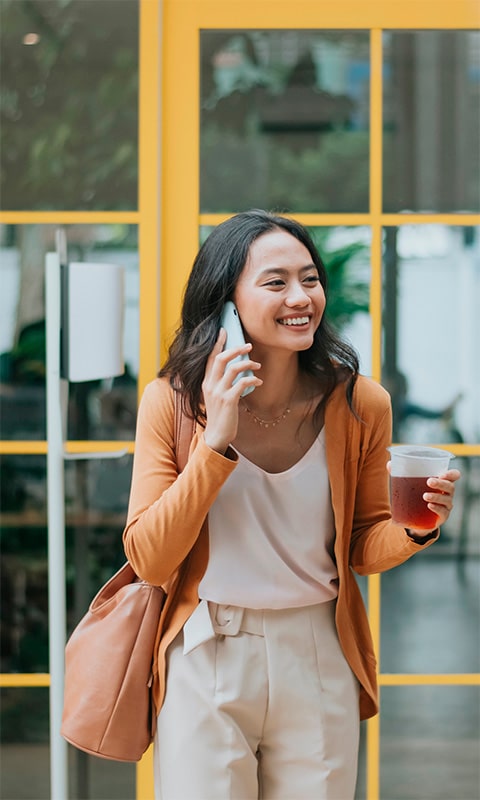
column 184, row 430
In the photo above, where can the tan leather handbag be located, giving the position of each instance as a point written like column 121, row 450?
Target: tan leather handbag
column 108, row 709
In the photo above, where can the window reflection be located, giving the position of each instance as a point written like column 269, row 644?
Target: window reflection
column 431, row 329
column 69, row 104
column 429, row 742
column 431, row 158
column 24, row 719
column 24, row 564
column 96, row 498
column 97, row 409
column 284, row 120
column 25, row 755
column 424, row 625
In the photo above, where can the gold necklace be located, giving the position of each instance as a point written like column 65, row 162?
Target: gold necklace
column 266, row 423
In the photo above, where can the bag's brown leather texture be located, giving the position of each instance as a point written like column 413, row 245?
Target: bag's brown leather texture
column 108, row 708
column 107, row 702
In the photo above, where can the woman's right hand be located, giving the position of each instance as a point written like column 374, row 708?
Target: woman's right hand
column 221, row 396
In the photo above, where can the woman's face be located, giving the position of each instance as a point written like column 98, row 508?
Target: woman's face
column 279, row 296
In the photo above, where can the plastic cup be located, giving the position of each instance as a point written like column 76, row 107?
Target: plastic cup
column 411, row 466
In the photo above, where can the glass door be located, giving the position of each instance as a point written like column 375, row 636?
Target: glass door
column 361, row 120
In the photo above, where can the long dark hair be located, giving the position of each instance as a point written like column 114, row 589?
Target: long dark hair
column 214, row 276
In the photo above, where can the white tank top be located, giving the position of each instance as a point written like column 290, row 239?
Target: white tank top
column 272, row 535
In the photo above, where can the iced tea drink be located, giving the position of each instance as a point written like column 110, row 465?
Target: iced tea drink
column 411, row 467
column 408, row 506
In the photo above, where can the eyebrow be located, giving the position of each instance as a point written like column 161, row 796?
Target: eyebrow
column 284, row 271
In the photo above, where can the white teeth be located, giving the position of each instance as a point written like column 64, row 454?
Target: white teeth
column 294, row 321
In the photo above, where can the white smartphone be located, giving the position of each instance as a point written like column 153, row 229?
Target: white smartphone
column 235, row 338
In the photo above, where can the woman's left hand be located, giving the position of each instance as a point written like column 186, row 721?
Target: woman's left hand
column 440, row 499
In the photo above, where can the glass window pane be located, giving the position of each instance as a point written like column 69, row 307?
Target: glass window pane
column 284, row 120
column 430, row 614
column 24, row 716
column 346, row 254
column 96, row 498
column 97, row 409
column 69, row 111
column 25, row 752
column 431, row 156
column 429, row 743
column 361, row 787
column 24, row 564
column 25, row 755
column 431, row 332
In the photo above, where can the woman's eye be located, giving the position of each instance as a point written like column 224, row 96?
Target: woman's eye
column 277, row 283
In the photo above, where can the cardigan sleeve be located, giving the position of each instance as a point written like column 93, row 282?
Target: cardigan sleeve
column 377, row 544
column 167, row 510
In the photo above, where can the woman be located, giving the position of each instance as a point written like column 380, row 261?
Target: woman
column 265, row 663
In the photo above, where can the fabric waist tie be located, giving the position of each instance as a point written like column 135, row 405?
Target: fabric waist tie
column 230, row 620
column 212, row 619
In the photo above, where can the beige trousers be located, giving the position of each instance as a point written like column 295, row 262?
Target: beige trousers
column 259, row 704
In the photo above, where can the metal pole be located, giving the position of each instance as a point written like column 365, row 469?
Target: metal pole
column 56, row 530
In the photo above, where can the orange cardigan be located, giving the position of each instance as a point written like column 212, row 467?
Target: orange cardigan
column 166, row 536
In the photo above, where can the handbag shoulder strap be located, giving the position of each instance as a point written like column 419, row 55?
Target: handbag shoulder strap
column 184, row 430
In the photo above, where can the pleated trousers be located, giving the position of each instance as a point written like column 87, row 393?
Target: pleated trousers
column 258, row 704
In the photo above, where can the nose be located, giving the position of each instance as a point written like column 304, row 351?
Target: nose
column 297, row 296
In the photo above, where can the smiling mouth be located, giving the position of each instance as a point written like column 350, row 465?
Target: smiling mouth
column 292, row 322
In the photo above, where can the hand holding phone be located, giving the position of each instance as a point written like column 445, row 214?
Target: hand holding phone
column 230, row 321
